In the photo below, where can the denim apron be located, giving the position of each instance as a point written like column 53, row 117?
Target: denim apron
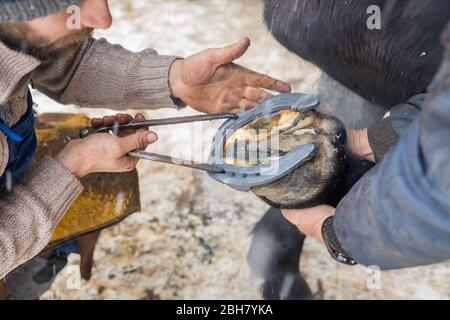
column 22, row 145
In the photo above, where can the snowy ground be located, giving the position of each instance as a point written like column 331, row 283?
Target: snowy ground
column 191, row 238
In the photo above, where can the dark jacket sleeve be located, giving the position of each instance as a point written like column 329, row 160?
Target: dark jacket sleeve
column 398, row 214
column 384, row 135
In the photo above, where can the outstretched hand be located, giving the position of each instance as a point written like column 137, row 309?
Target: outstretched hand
column 210, row 82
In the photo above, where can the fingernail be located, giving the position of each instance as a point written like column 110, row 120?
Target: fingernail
column 152, row 137
column 287, row 88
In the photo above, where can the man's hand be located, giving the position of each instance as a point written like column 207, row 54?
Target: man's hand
column 309, row 221
column 358, row 144
column 210, row 82
column 103, row 152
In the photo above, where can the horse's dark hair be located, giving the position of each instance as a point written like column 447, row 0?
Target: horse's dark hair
column 385, row 66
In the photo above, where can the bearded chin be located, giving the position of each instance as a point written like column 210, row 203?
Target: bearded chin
column 20, row 37
column 68, row 42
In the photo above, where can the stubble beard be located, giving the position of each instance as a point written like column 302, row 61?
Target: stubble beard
column 20, row 37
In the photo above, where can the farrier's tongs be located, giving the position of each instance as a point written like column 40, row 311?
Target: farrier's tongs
column 160, row 122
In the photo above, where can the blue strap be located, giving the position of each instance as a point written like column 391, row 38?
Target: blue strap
column 9, row 133
column 69, row 247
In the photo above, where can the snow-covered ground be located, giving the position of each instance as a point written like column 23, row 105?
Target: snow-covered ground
column 191, row 238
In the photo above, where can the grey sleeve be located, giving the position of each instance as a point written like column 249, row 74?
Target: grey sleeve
column 30, row 213
column 98, row 74
column 398, row 214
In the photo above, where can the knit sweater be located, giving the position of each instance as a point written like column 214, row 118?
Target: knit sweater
column 96, row 74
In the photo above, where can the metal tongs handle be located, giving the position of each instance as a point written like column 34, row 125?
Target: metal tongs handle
column 175, row 161
column 157, row 122
column 160, row 122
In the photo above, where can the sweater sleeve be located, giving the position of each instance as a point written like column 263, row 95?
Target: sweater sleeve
column 99, row 74
column 31, row 211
